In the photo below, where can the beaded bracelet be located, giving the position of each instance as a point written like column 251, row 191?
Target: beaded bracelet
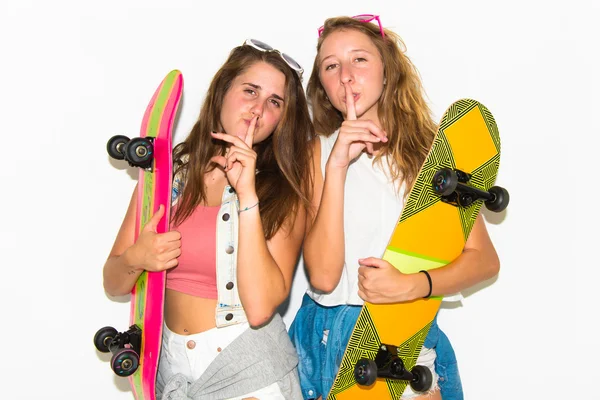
column 247, row 208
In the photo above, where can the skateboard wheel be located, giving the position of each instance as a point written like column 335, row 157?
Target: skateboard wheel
column 499, row 201
column 103, row 337
column 422, row 379
column 115, row 145
column 139, row 152
column 445, row 182
column 125, row 362
column 365, row 372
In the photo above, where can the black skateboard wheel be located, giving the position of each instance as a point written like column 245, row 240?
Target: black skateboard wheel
column 365, row 372
column 139, row 152
column 103, row 337
column 422, row 379
column 499, row 200
column 115, row 145
column 125, row 362
column 445, row 182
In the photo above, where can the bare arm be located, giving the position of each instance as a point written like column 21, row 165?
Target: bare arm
column 265, row 269
column 324, row 244
column 380, row 282
column 127, row 259
column 478, row 262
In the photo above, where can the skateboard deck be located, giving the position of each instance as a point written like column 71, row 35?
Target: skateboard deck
column 136, row 352
column 431, row 232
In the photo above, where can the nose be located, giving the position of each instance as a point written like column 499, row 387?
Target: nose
column 346, row 75
column 257, row 108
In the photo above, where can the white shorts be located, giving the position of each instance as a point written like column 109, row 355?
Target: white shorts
column 190, row 355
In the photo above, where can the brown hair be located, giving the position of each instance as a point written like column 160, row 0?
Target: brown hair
column 402, row 109
column 284, row 158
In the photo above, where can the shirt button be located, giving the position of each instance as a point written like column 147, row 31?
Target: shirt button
column 310, row 392
column 229, row 317
column 229, row 286
column 229, row 250
column 218, row 349
column 191, row 344
column 230, row 190
column 225, row 217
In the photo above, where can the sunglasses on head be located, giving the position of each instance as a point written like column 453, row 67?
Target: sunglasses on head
column 262, row 46
column 362, row 18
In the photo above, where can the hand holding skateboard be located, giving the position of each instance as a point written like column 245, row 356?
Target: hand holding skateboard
column 157, row 251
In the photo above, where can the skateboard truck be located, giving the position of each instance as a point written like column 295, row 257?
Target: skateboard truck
column 453, row 186
column 138, row 152
column 125, row 347
column 388, row 364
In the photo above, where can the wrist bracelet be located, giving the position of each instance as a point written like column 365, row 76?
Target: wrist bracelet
column 430, row 284
column 248, row 208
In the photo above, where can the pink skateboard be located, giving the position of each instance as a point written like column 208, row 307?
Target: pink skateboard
column 136, row 352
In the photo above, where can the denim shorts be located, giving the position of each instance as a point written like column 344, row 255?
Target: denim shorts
column 321, row 334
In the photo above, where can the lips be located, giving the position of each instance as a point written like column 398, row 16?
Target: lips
column 356, row 97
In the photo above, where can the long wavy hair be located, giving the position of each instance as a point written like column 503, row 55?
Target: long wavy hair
column 284, row 158
column 402, row 109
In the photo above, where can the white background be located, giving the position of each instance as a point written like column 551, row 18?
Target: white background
column 75, row 73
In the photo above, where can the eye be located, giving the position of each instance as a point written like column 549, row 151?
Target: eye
column 330, row 67
column 360, row 59
column 250, row 91
column 275, row 103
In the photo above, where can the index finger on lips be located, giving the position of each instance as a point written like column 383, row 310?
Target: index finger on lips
column 249, row 140
column 350, row 106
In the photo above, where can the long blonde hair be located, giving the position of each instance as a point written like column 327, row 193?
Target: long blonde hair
column 284, row 158
column 402, row 109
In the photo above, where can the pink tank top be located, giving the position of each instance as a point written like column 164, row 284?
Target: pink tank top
column 196, row 273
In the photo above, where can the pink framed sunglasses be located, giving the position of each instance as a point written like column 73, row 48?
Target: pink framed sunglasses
column 362, row 18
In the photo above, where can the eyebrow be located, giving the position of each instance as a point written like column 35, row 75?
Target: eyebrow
column 258, row 87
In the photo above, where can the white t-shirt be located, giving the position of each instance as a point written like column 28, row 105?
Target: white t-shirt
column 372, row 206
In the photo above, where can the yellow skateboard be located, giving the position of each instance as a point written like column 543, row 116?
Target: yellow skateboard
column 456, row 178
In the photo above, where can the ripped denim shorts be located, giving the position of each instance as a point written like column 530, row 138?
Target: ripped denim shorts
column 320, row 335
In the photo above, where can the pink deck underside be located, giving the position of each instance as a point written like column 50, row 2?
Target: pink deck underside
column 155, row 287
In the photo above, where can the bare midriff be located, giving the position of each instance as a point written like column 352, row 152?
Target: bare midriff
column 186, row 314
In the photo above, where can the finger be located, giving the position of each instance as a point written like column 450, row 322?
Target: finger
column 351, row 137
column 362, row 272
column 171, row 263
column 229, row 139
column 170, row 245
column 371, row 262
column 361, row 287
column 170, row 255
column 362, row 295
column 369, row 148
column 249, row 139
column 153, row 222
column 350, row 107
column 220, row 160
column 368, row 126
column 238, row 155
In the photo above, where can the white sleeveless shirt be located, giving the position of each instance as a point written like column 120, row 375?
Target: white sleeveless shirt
column 372, row 206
